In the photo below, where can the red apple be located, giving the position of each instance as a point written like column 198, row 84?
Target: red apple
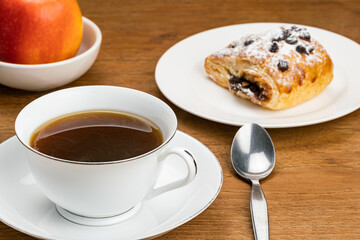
column 39, row 31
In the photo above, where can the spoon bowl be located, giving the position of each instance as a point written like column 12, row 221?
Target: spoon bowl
column 252, row 152
column 253, row 158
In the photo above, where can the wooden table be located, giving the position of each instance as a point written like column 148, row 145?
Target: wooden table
column 314, row 191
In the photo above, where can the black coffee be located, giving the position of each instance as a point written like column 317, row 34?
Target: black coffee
column 97, row 136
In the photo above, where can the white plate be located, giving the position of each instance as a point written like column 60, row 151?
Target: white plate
column 181, row 77
column 25, row 208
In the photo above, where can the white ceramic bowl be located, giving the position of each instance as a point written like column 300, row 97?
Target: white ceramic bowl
column 41, row 77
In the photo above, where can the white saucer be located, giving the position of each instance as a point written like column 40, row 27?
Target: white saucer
column 25, row 208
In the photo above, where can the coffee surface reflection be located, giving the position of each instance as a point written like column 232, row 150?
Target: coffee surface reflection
column 96, row 136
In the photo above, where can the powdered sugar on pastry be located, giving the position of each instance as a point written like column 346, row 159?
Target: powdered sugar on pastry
column 274, row 47
column 274, row 43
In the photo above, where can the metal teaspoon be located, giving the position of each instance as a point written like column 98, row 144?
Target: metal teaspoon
column 253, row 158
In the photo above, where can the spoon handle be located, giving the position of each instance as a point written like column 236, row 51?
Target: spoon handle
column 259, row 212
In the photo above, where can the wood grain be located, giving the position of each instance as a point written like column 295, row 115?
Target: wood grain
column 314, row 191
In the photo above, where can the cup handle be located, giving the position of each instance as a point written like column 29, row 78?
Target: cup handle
column 191, row 167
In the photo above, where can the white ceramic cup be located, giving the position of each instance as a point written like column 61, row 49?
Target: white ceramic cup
column 85, row 192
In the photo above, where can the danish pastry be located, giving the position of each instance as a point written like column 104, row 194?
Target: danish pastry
column 276, row 69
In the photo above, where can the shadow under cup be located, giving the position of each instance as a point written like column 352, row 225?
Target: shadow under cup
column 96, row 189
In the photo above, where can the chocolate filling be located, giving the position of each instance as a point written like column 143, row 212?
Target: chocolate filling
column 247, row 87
